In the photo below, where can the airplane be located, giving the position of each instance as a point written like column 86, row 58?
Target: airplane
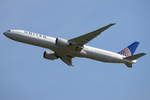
column 75, row 47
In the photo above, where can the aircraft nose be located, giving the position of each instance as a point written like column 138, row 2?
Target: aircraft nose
column 5, row 33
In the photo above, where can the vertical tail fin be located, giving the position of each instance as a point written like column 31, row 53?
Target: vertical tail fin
column 129, row 51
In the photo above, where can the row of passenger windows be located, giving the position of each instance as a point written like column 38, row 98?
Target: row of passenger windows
column 35, row 34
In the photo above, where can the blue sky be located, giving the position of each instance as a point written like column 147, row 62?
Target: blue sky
column 25, row 75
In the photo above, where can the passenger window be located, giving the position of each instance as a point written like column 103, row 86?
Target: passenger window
column 44, row 36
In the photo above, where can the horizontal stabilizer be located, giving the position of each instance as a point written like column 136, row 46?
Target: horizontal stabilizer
column 135, row 56
column 129, row 65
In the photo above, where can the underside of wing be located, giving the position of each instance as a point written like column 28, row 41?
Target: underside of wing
column 67, row 60
column 83, row 39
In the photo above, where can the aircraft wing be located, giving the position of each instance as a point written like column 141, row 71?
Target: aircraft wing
column 67, row 60
column 83, row 39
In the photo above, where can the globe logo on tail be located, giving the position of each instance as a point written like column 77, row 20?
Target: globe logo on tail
column 126, row 52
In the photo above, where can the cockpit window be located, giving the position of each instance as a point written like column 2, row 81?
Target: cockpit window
column 8, row 30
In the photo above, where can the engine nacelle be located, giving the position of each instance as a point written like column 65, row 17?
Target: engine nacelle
column 49, row 55
column 62, row 42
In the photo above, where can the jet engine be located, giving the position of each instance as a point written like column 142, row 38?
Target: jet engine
column 49, row 55
column 62, row 42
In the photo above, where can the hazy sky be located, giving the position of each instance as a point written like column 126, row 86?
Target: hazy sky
column 25, row 75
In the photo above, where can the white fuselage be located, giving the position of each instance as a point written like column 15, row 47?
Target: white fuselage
column 49, row 42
